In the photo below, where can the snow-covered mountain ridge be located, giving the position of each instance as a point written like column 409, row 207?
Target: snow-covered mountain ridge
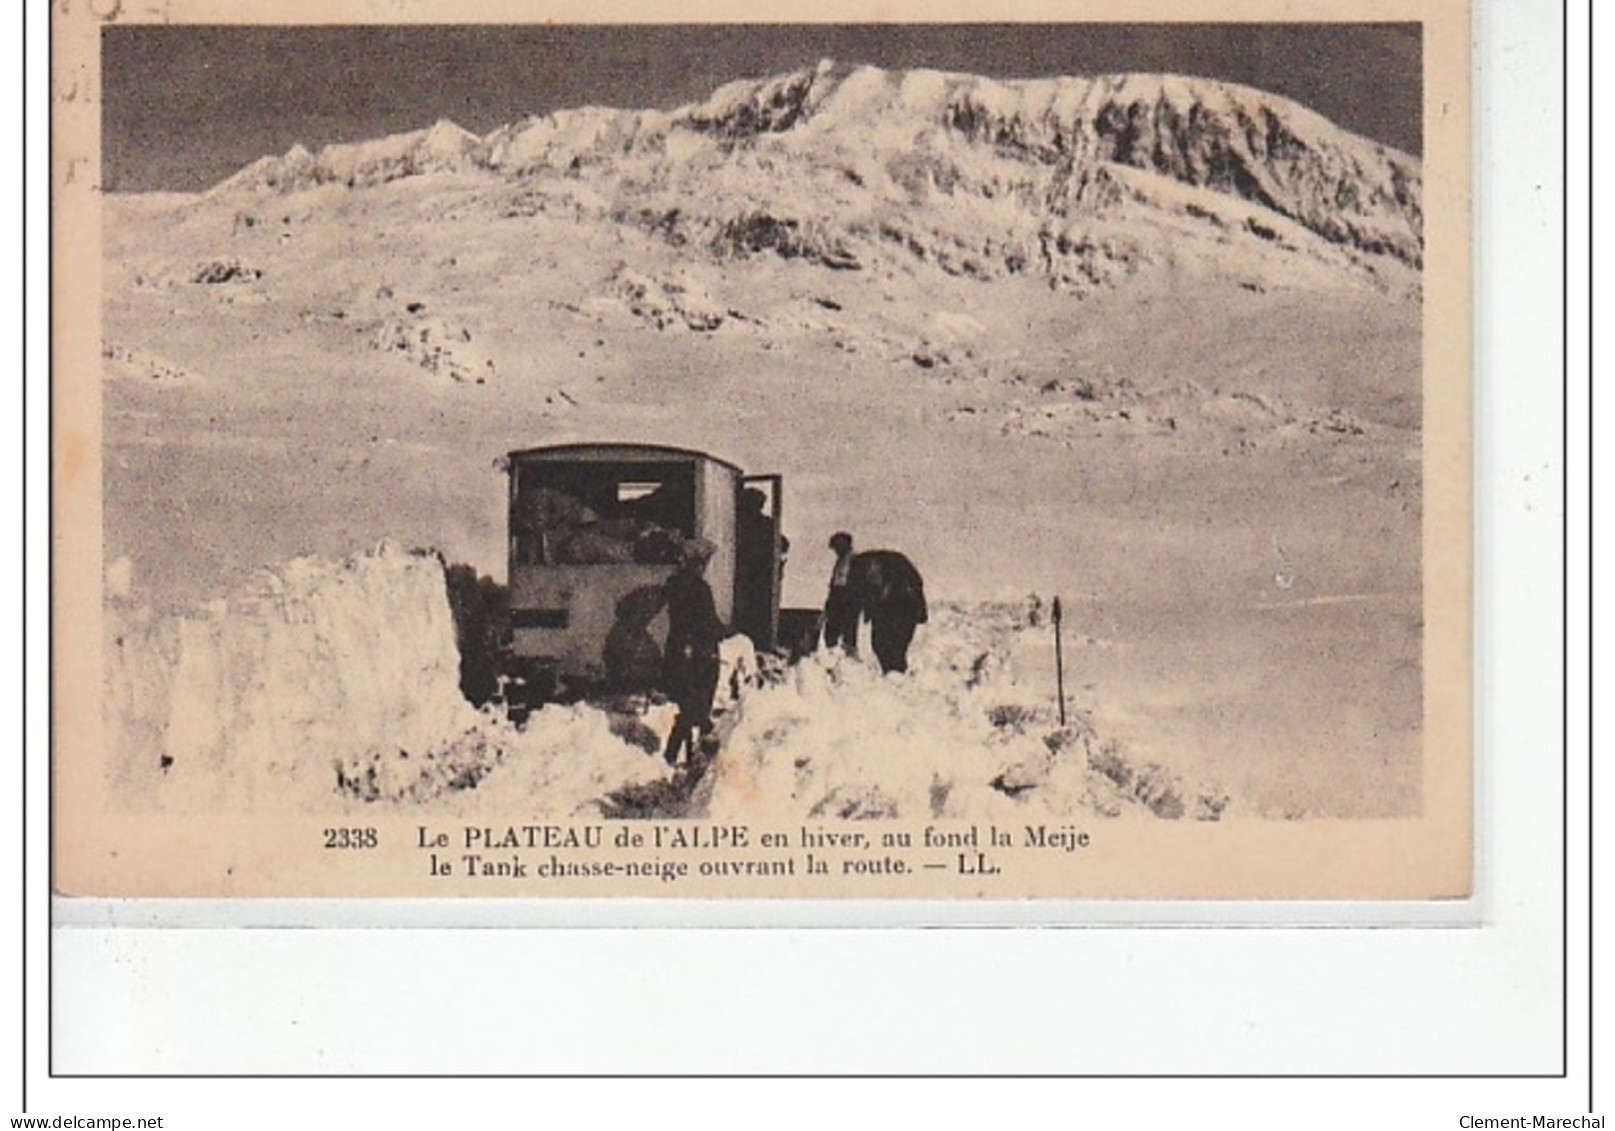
column 1082, row 179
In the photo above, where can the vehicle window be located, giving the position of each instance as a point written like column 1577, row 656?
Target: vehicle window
column 571, row 513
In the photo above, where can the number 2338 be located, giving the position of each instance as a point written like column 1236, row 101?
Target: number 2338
column 351, row 838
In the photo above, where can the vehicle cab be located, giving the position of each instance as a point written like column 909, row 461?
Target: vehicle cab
column 594, row 532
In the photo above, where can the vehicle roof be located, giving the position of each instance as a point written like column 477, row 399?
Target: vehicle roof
column 627, row 452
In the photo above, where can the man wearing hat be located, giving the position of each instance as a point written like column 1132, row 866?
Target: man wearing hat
column 693, row 634
column 841, row 604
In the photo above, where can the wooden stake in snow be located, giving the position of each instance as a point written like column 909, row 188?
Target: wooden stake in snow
column 1059, row 661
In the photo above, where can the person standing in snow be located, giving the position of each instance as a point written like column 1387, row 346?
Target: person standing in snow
column 693, row 634
column 758, row 544
column 890, row 592
column 841, row 605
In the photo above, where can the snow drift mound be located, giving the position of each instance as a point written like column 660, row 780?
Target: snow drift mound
column 572, row 760
column 966, row 735
column 330, row 681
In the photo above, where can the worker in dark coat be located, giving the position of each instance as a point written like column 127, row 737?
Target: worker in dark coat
column 693, row 634
column 758, row 544
column 891, row 593
column 841, row 603
column 632, row 658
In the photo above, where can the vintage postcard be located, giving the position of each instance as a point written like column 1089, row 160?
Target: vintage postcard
column 942, row 458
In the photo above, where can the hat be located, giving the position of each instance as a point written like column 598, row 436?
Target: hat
column 696, row 550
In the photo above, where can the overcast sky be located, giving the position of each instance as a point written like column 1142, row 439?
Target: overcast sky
column 187, row 106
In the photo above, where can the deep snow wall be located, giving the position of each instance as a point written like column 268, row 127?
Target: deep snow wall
column 319, row 670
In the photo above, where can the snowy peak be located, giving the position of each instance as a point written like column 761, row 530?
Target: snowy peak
column 810, row 162
column 567, row 140
column 443, row 147
column 1221, row 136
column 447, row 140
column 272, row 174
column 746, row 108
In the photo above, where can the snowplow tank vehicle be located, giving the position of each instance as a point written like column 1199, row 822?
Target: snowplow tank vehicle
column 595, row 530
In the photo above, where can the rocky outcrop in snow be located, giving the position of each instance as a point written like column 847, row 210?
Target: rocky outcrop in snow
column 665, row 303
column 126, row 363
column 434, row 345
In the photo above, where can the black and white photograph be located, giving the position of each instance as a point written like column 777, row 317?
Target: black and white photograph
column 758, row 460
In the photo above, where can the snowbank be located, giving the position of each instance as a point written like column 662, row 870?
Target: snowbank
column 335, row 682
column 964, row 735
column 570, row 759
column 340, row 680
column 319, row 666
